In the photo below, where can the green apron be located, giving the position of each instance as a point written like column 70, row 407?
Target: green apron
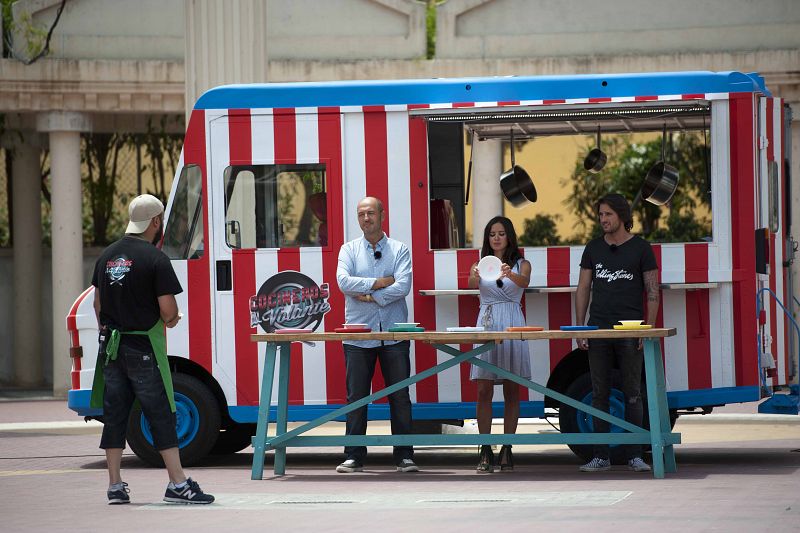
column 158, row 340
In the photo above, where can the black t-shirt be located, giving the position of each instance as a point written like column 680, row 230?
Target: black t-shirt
column 130, row 275
column 617, row 281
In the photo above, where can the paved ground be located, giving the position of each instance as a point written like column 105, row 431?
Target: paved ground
column 736, row 472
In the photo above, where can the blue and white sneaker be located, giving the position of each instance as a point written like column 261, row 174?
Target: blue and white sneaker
column 596, row 465
column 638, row 465
column 189, row 493
column 118, row 494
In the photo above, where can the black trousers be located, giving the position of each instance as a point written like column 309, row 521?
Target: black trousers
column 395, row 366
column 134, row 374
column 602, row 355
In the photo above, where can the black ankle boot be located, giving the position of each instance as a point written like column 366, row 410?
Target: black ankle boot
column 506, row 459
column 486, row 464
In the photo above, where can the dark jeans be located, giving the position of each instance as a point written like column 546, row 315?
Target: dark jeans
column 395, row 366
column 602, row 354
column 135, row 375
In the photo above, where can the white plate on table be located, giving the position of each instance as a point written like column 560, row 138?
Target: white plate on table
column 466, row 329
column 489, row 268
column 355, row 326
column 406, row 324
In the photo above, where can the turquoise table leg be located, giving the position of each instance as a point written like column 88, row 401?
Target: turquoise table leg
column 283, row 407
column 655, row 391
column 263, row 411
column 663, row 411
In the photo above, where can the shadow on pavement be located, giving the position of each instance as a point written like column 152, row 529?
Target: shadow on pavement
column 303, row 465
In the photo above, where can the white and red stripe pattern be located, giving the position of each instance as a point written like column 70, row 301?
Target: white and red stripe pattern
column 579, row 101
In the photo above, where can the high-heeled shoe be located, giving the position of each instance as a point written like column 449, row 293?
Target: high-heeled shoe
column 486, row 464
column 506, row 459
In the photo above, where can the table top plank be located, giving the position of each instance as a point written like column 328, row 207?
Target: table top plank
column 445, row 337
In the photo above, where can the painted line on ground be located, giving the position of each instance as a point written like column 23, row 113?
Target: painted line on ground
column 395, row 500
column 12, row 473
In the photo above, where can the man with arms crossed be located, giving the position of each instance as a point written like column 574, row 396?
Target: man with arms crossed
column 374, row 273
column 616, row 268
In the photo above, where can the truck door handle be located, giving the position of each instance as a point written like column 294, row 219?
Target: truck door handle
column 224, row 282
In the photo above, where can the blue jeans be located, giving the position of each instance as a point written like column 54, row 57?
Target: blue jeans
column 602, row 355
column 360, row 367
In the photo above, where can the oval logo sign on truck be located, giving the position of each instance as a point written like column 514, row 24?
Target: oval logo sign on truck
column 289, row 299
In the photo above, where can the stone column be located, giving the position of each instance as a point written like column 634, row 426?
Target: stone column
column 27, row 238
column 487, row 198
column 795, row 230
column 226, row 42
column 64, row 130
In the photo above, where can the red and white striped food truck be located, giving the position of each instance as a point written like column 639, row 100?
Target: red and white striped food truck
column 266, row 194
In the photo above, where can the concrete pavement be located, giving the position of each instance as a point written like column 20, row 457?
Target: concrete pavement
column 735, row 473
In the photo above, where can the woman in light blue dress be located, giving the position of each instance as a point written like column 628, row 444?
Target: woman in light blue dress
column 501, row 308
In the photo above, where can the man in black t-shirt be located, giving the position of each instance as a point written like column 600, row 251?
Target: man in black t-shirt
column 616, row 269
column 135, row 288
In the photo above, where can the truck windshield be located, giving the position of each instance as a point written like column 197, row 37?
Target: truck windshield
column 183, row 234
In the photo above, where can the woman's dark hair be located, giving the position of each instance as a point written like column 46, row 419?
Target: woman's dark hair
column 619, row 205
column 512, row 254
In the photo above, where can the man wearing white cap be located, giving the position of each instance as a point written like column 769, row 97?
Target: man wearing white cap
column 135, row 288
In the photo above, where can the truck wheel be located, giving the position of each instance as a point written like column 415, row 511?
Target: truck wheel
column 232, row 439
column 197, row 423
column 571, row 420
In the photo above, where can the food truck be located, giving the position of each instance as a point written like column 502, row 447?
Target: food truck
column 266, row 193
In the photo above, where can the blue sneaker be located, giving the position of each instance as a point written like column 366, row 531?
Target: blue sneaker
column 118, row 494
column 189, row 493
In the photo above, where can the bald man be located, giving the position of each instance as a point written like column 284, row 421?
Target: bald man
column 374, row 273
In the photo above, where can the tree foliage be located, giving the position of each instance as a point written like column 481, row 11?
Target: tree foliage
column 540, row 231
column 627, row 165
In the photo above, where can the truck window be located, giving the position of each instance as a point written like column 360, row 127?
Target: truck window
column 275, row 206
column 183, row 234
column 552, row 145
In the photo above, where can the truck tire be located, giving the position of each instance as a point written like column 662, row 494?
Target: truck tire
column 572, row 421
column 197, row 423
column 233, row 439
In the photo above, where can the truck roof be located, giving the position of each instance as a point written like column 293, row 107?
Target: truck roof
column 485, row 89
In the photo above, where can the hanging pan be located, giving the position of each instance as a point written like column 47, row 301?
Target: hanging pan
column 596, row 159
column 516, row 184
column 661, row 181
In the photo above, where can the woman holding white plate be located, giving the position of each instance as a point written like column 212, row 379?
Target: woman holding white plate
column 501, row 275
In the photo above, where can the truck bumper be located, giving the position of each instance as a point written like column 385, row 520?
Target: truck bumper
column 78, row 400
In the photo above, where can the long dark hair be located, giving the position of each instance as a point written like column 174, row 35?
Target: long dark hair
column 618, row 204
column 512, row 253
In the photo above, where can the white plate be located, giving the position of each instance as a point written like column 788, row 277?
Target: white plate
column 465, row 329
column 406, row 324
column 355, row 326
column 631, row 322
column 489, row 268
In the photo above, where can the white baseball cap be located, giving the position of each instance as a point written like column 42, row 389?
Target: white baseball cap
column 141, row 211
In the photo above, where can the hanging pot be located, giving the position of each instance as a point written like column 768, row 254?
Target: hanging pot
column 516, row 184
column 661, row 181
column 596, row 159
